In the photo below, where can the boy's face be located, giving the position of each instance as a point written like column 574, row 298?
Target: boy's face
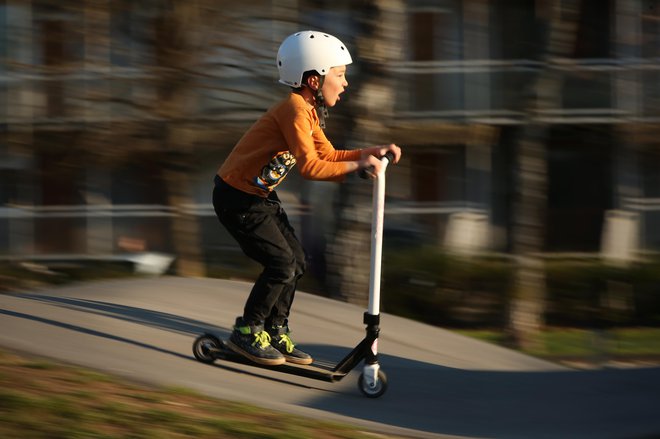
column 334, row 85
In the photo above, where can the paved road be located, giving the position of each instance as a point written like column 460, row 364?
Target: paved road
column 440, row 384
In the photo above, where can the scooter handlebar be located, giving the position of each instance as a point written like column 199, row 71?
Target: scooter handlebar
column 389, row 155
column 364, row 172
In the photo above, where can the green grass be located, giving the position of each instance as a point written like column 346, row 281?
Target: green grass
column 636, row 341
column 559, row 343
column 27, row 276
column 44, row 399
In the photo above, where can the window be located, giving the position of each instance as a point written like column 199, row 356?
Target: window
column 61, row 40
column 594, row 29
column 514, row 30
column 651, row 29
column 434, row 34
column 650, row 49
column 579, row 186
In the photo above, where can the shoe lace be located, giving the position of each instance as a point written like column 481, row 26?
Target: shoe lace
column 262, row 338
column 288, row 343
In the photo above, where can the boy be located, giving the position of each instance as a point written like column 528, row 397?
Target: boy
column 290, row 133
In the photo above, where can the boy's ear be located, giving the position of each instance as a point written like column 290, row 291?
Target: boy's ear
column 314, row 81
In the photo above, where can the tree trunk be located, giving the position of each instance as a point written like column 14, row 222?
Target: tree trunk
column 527, row 308
column 378, row 43
column 177, row 48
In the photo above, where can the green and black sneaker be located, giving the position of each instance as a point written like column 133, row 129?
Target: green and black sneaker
column 253, row 343
column 281, row 340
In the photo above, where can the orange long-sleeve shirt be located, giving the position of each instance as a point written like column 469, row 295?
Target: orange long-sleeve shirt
column 287, row 134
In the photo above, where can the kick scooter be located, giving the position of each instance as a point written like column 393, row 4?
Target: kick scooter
column 372, row 381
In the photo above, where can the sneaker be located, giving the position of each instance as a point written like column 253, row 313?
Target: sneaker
column 253, row 343
column 281, row 341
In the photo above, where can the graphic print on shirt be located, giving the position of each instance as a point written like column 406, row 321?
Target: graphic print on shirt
column 274, row 172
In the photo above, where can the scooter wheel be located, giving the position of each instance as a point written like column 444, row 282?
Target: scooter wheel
column 204, row 346
column 377, row 390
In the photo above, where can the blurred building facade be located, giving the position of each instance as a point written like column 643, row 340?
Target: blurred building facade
column 116, row 114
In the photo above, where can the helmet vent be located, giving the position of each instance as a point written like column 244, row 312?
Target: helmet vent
column 311, row 36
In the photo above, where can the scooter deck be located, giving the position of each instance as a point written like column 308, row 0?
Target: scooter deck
column 317, row 370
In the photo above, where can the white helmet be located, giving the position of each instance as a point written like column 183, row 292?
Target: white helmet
column 309, row 50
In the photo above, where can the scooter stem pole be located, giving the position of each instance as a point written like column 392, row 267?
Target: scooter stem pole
column 377, row 239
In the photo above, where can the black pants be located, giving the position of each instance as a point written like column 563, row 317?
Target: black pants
column 262, row 229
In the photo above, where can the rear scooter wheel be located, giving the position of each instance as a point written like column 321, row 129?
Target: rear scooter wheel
column 204, row 346
column 377, row 390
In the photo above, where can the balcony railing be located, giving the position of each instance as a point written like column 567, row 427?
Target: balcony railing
column 499, row 91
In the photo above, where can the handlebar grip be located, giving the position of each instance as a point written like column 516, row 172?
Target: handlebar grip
column 364, row 172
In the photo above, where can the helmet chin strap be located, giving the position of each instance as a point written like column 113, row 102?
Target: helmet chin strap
column 321, row 109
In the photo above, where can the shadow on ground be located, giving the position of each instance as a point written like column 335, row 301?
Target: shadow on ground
column 433, row 398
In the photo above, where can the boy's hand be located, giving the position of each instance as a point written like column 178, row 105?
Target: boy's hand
column 380, row 150
column 370, row 166
column 394, row 149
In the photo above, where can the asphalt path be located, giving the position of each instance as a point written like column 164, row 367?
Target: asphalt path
column 440, row 384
